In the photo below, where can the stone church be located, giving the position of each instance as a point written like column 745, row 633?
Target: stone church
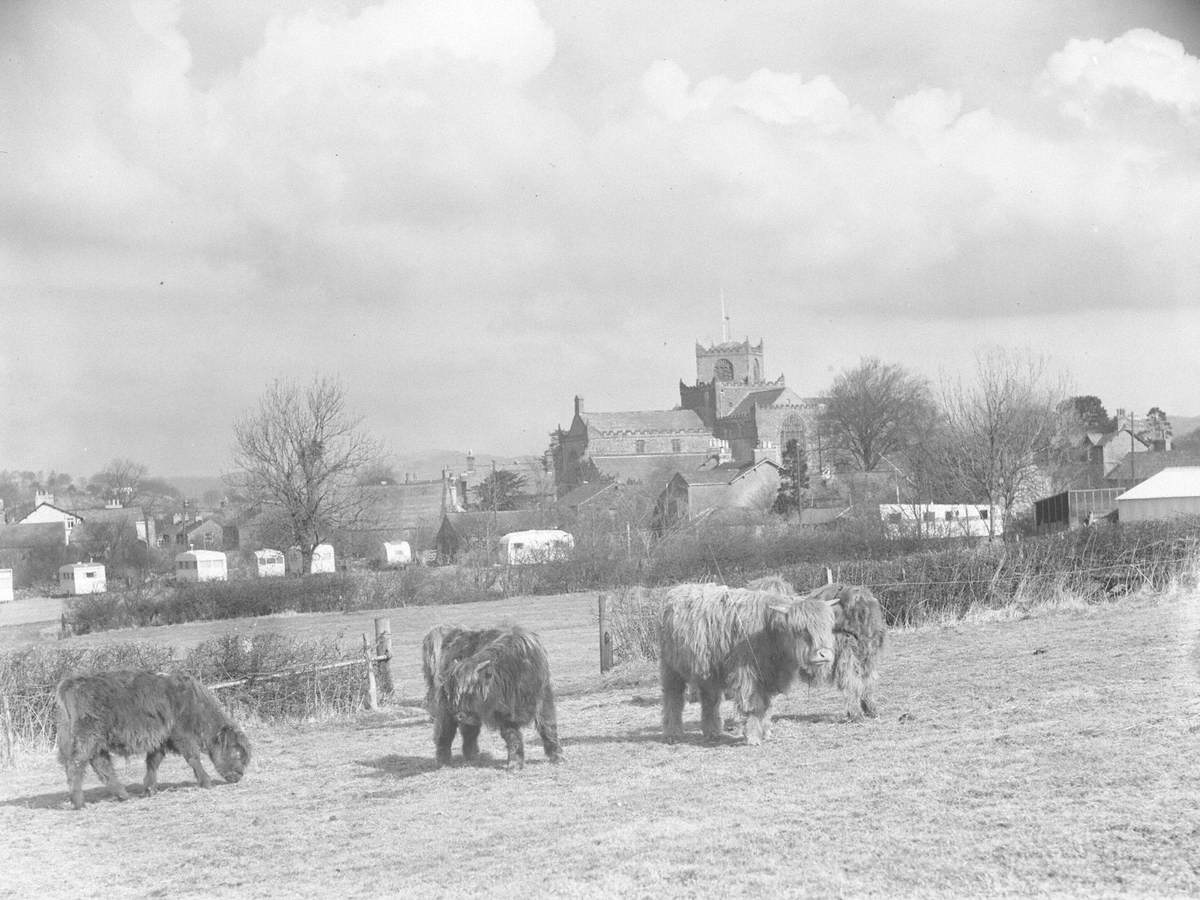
column 732, row 416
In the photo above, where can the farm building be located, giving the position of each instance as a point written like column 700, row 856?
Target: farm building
column 82, row 578
column 523, row 548
column 1073, row 509
column 1171, row 493
column 940, row 520
column 269, row 563
column 201, row 565
column 725, row 486
column 6, row 585
column 394, row 553
column 323, row 560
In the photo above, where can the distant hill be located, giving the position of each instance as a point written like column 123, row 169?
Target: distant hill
column 421, row 465
column 1182, row 425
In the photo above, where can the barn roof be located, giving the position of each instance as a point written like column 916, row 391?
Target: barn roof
column 645, row 421
column 1143, row 465
column 1176, row 481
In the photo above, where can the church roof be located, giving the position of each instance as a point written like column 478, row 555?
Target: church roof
column 644, row 421
column 653, row 471
column 775, row 396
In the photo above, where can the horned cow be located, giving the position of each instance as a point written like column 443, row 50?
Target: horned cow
column 750, row 644
column 859, row 630
column 499, row 677
column 134, row 712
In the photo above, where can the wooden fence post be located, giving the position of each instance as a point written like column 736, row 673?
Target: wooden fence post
column 828, row 575
column 606, row 647
column 6, row 725
column 372, row 690
column 383, row 655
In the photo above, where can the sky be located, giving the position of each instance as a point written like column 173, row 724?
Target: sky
column 470, row 212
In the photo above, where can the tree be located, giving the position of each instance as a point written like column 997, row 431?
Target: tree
column 793, row 479
column 1156, row 429
column 871, row 409
column 302, row 452
column 380, row 472
column 501, row 490
column 1002, row 429
column 1092, row 414
column 120, row 480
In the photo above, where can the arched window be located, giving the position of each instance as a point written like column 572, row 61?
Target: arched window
column 723, row 370
column 757, row 372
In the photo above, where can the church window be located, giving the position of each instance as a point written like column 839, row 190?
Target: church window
column 723, row 370
column 676, row 445
column 757, row 372
column 639, row 447
column 792, row 429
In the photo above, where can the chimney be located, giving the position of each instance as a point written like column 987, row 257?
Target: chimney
column 578, row 405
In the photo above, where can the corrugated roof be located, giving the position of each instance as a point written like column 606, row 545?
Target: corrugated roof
column 1176, row 481
column 648, row 421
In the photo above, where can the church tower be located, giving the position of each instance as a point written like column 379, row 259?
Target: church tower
column 730, row 362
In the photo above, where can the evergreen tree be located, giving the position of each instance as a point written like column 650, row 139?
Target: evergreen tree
column 793, row 479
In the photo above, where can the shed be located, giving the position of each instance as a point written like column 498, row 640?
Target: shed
column 6, row 585
column 395, row 553
column 269, row 563
column 323, row 560
column 82, row 578
column 1172, row 493
column 519, row 548
column 201, row 565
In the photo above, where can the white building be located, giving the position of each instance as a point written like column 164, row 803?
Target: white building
column 269, row 563
column 395, row 553
column 521, row 548
column 82, row 578
column 322, row 560
column 940, row 520
column 201, row 565
column 1171, row 493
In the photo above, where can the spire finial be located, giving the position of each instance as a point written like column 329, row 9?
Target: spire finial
column 724, row 320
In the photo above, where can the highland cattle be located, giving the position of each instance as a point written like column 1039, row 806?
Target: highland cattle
column 859, row 630
column 498, row 677
column 748, row 644
column 136, row 712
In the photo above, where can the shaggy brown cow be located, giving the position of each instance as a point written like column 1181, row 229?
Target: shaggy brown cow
column 749, row 644
column 128, row 712
column 859, row 629
column 498, row 677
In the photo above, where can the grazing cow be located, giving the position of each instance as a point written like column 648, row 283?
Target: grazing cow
column 750, row 644
column 859, row 629
column 135, row 712
column 498, row 677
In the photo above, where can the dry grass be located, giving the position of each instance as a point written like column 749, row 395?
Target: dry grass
column 1052, row 755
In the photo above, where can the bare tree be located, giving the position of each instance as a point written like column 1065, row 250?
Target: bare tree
column 1003, row 429
column 120, row 480
column 871, row 410
column 303, row 453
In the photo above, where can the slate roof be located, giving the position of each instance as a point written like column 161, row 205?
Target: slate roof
column 398, row 506
column 652, row 471
column 1142, row 465
column 645, row 421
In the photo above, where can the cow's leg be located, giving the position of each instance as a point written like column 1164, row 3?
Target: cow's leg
column 511, row 732
column 76, row 769
column 153, row 759
column 758, row 718
column 444, row 728
column 191, row 752
column 470, row 743
column 673, row 687
column 546, row 722
column 710, row 711
column 103, row 765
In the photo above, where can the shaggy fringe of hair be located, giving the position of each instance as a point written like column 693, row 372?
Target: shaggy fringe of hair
column 859, row 635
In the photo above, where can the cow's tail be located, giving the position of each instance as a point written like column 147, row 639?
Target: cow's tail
column 66, row 715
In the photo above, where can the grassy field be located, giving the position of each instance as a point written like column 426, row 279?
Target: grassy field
column 1052, row 755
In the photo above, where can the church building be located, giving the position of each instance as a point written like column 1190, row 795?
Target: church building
column 730, row 415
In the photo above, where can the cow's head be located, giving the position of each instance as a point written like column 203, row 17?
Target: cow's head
column 471, row 689
column 810, row 624
column 230, row 753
